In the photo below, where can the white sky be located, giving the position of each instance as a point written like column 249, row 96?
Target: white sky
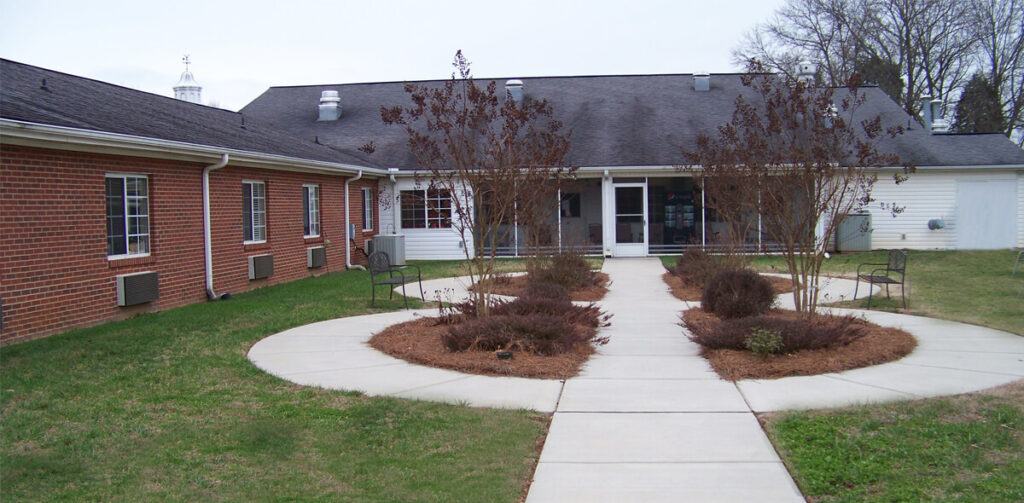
column 238, row 49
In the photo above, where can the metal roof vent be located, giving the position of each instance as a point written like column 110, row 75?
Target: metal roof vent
column 330, row 106
column 805, row 72
column 939, row 123
column 514, row 90
column 702, row 81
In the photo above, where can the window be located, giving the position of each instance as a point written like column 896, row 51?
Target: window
column 430, row 209
column 570, row 205
column 127, row 215
column 254, row 211
column 367, row 209
column 311, row 211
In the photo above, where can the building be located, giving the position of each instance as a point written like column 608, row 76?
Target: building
column 115, row 201
column 628, row 133
column 102, row 203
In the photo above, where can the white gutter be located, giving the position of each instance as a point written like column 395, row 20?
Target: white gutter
column 207, row 240
column 348, row 238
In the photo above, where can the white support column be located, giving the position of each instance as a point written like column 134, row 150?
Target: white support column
column 558, row 214
column 703, row 219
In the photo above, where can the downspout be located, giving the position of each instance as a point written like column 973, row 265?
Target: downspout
column 348, row 238
column 207, row 239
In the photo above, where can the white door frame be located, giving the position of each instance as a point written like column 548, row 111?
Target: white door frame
column 628, row 249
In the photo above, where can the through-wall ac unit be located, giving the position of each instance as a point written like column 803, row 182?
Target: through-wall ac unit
column 316, row 257
column 137, row 288
column 261, row 266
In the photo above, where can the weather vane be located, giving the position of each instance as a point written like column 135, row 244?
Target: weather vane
column 186, row 61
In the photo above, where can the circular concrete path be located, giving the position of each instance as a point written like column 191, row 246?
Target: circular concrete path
column 951, row 358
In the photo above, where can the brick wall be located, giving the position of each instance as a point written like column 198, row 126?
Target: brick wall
column 54, row 271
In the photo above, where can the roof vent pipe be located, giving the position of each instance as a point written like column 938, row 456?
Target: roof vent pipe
column 805, row 72
column 926, row 112
column 330, row 106
column 514, row 90
column 702, row 81
column 939, row 123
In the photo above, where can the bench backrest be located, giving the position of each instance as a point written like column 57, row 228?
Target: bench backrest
column 897, row 261
column 379, row 262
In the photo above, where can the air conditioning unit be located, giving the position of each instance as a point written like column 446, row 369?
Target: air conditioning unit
column 261, row 266
column 137, row 288
column 393, row 245
column 316, row 257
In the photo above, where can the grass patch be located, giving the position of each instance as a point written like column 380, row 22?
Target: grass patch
column 968, row 286
column 967, row 448
column 165, row 406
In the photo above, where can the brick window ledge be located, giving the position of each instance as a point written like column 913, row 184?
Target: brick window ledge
column 130, row 262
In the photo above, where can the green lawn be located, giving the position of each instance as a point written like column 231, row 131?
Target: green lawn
column 165, row 406
column 969, row 286
column 966, row 448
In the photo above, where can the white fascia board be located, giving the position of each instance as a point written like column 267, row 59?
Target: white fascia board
column 994, row 167
column 66, row 138
column 598, row 171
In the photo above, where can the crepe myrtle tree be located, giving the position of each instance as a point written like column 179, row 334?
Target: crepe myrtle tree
column 485, row 155
column 800, row 156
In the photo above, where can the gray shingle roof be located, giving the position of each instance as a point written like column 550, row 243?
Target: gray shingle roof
column 628, row 120
column 77, row 102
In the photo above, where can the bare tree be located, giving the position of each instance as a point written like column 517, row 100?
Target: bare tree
column 928, row 41
column 999, row 28
column 481, row 155
column 800, row 156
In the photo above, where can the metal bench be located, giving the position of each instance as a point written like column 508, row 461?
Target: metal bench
column 893, row 272
column 383, row 273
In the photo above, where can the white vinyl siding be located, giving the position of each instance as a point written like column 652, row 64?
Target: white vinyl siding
column 421, row 244
column 311, row 211
column 127, row 215
column 929, row 194
column 254, row 212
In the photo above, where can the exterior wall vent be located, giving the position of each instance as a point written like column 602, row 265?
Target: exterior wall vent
column 316, row 257
column 702, row 81
column 514, row 90
column 330, row 106
column 137, row 288
column 261, row 266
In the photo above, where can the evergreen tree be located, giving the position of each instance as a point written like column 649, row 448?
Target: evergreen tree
column 980, row 109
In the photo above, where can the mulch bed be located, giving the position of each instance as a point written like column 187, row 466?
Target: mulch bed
column 419, row 341
column 512, row 286
column 691, row 293
column 880, row 345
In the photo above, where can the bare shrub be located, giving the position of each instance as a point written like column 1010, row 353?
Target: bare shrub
column 737, row 294
column 696, row 267
column 797, row 333
column 536, row 333
column 568, row 269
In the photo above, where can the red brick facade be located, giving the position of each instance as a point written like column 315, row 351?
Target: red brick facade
column 54, row 270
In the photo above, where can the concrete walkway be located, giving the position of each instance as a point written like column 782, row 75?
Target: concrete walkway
column 647, row 419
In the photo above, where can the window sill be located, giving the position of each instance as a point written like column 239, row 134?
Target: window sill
column 257, row 245
column 312, row 239
column 115, row 263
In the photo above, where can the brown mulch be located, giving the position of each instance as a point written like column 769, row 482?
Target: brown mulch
column 690, row 293
column 512, row 286
column 879, row 345
column 419, row 341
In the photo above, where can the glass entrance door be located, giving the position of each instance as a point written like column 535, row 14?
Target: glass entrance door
column 631, row 220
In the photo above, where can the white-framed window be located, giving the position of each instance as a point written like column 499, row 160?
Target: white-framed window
column 426, row 209
column 254, row 211
column 311, row 211
column 127, row 215
column 367, row 209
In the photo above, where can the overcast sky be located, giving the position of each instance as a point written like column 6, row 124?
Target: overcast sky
column 238, row 49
